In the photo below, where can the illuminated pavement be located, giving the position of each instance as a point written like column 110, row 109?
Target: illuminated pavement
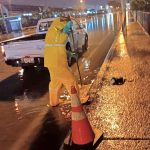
column 122, row 112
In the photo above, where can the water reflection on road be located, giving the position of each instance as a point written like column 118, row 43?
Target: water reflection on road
column 105, row 22
column 101, row 31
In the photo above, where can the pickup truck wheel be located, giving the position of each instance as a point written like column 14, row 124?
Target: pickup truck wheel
column 69, row 58
column 69, row 62
column 72, row 61
column 68, row 47
column 85, row 46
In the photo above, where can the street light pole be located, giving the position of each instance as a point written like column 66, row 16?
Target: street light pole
column 123, row 6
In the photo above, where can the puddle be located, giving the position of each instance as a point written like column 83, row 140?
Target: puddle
column 25, row 106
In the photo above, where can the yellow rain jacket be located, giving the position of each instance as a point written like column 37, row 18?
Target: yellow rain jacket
column 55, row 59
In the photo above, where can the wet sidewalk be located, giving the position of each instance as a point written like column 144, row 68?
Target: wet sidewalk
column 122, row 112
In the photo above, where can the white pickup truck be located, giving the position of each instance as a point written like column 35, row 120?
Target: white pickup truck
column 28, row 51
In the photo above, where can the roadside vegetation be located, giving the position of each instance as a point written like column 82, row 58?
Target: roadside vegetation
column 142, row 5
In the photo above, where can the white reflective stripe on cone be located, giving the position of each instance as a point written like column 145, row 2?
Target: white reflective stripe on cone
column 75, row 100
column 77, row 116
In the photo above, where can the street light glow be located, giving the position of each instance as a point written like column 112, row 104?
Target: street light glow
column 81, row 1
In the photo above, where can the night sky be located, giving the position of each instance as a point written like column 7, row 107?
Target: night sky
column 55, row 3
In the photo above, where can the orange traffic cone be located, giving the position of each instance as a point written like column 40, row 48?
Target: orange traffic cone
column 82, row 133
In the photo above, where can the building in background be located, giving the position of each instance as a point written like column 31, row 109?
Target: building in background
column 9, row 23
column 29, row 14
column 15, row 17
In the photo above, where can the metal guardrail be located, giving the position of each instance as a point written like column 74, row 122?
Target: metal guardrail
column 144, row 19
column 28, row 28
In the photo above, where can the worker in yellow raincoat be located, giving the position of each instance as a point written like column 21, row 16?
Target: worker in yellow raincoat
column 55, row 59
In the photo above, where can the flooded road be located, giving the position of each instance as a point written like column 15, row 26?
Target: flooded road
column 24, row 95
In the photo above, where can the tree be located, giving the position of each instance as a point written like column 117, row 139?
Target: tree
column 147, row 7
column 140, row 4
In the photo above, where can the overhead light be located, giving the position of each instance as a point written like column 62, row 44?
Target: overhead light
column 81, row 1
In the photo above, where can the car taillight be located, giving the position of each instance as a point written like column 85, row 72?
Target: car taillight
column 2, row 50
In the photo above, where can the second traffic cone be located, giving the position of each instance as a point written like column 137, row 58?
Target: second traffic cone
column 82, row 133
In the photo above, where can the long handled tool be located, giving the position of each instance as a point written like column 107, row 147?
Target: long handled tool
column 76, row 58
